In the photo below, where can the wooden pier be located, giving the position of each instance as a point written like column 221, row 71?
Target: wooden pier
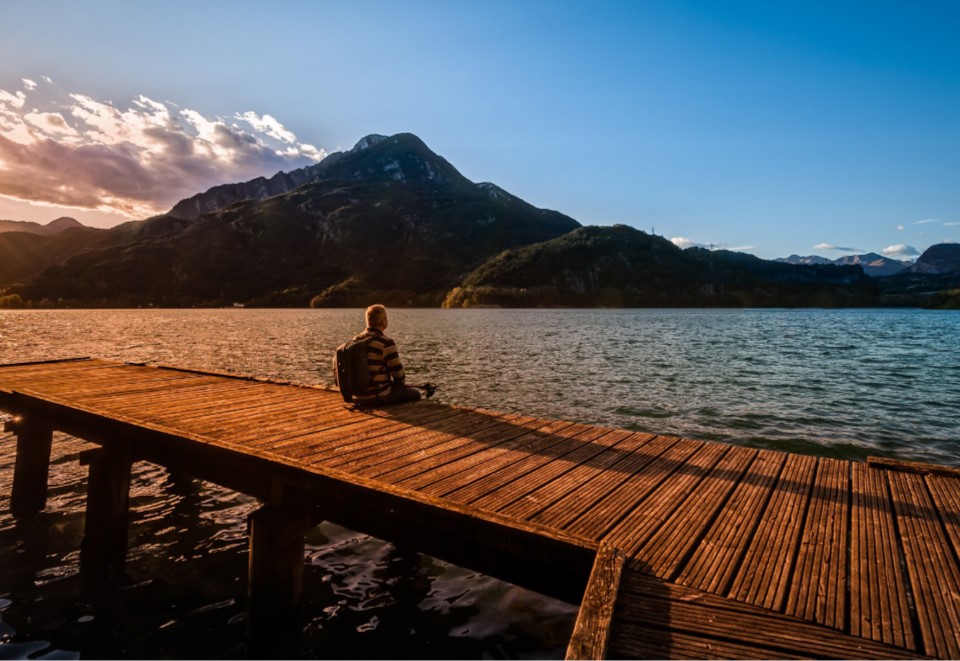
column 673, row 548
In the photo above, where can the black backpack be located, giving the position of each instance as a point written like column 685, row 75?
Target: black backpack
column 350, row 371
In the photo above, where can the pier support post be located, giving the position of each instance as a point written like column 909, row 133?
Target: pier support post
column 104, row 543
column 275, row 573
column 32, row 468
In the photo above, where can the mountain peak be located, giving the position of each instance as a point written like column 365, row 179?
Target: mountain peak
column 53, row 227
column 376, row 158
column 368, row 141
column 938, row 258
column 63, row 223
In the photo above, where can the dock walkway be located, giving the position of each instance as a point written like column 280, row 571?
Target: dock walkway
column 674, row 548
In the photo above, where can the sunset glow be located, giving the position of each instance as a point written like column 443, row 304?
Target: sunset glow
column 71, row 151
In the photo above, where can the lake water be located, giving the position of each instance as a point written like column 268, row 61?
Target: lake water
column 848, row 383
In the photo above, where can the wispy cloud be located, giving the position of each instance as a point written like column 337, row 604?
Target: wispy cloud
column 267, row 124
column 926, row 221
column 951, row 224
column 73, row 150
column 900, row 250
column 683, row 243
column 830, row 246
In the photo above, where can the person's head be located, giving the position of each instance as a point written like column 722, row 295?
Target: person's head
column 377, row 317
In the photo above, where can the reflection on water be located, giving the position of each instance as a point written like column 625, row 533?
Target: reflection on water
column 843, row 383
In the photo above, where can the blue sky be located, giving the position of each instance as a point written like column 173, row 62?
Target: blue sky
column 772, row 127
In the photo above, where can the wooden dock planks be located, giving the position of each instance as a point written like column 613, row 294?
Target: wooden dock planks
column 657, row 619
column 527, row 505
column 593, row 521
column 931, row 564
column 879, row 608
column 665, row 550
column 764, row 575
column 821, row 557
column 651, row 515
column 715, row 561
column 817, row 592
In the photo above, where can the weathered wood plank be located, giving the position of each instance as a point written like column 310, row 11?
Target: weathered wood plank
column 448, row 432
column 183, row 401
column 598, row 520
column 355, row 451
column 591, row 633
column 527, row 505
column 717, row 557
column 878, row 597
column 912, row 466
column 945, row 492
column 634, row 639
column 543, row 471
column 666, row 548
column 437, row 478
column 324, row 445
column 122, row 386
column 513, row 471
column 253, row 414
column 818, row 589
column 678, row 610
column 931, row 565
column 196, row 403
column 553, row 441
column 445, row 455
column 598, row 496
column 317, row 432
column 644, row 520
column 79, row 376
column 763, row 577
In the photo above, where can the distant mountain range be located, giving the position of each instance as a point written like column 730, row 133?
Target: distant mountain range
column 393, row 222
column 53, row 227
column 874, row 265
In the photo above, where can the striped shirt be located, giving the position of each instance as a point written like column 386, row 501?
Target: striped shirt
column 383, row 361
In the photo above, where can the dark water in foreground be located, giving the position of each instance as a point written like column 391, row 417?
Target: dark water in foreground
column 839, row 383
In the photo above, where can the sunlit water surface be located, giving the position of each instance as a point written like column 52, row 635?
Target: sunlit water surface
column 839, row 383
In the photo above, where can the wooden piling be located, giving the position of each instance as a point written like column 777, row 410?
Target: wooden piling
column 104, row 543
column 32, row 468
column 275, row 572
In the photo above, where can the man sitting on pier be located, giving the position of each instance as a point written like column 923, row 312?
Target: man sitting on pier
column 383, row 362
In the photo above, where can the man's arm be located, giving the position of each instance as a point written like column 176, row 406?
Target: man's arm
column 392, row 359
